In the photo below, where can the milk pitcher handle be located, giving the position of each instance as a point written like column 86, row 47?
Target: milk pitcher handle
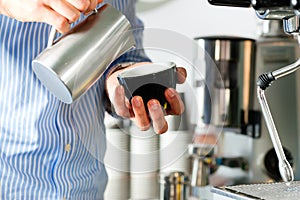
column 53, row 32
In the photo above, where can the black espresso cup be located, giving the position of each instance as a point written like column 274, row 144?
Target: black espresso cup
column 149, row 81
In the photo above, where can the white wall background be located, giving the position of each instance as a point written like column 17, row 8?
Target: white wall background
column 195, row 18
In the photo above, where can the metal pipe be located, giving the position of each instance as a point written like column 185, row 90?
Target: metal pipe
column 285, row 168
column 286, row 70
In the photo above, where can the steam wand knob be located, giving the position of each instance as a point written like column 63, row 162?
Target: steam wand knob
column 265, row 80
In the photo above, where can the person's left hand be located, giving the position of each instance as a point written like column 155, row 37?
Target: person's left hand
column 136, row 110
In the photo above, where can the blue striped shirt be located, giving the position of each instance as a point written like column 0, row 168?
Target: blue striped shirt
column 48, row 149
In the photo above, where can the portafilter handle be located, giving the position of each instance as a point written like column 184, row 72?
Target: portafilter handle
column 257, row 4
column 234, row 3
column 287, row 11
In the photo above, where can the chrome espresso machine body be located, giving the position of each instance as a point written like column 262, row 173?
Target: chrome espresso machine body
column 276, row 56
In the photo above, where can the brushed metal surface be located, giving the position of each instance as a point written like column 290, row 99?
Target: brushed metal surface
column 266, row 191
column 78, row 59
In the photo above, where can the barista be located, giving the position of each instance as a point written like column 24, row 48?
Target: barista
column 42, row 155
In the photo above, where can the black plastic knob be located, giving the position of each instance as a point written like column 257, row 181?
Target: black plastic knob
column 265, row 80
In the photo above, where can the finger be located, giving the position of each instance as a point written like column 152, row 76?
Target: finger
column 181, row 74
column 81, row 5
column 140, row 114
column 65, row 9
column 159, row 122
column 92, row 6
column 119, row 102
column 53, row 18
column 176, row 104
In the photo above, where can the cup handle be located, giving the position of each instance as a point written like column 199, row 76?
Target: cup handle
column 53, row 33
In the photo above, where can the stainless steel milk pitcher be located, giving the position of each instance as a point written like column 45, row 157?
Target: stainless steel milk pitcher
column 74, row 62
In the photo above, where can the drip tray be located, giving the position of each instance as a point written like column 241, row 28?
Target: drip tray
column 266, row 191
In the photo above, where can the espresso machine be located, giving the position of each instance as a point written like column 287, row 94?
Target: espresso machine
column 276, row 55
column 277, row 52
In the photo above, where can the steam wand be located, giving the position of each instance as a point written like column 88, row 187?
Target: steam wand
column 263, row 82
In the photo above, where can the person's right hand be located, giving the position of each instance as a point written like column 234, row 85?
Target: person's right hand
column 59, row 13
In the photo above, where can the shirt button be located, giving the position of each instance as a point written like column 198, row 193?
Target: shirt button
column 68, row 148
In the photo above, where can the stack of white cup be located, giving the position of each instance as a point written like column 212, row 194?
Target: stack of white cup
column 173, row 155
column 117, row 163
column 144, row 164
column 174, row 144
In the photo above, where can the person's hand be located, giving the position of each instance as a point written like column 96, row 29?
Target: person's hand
column 136, row 110
column 59, row 13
